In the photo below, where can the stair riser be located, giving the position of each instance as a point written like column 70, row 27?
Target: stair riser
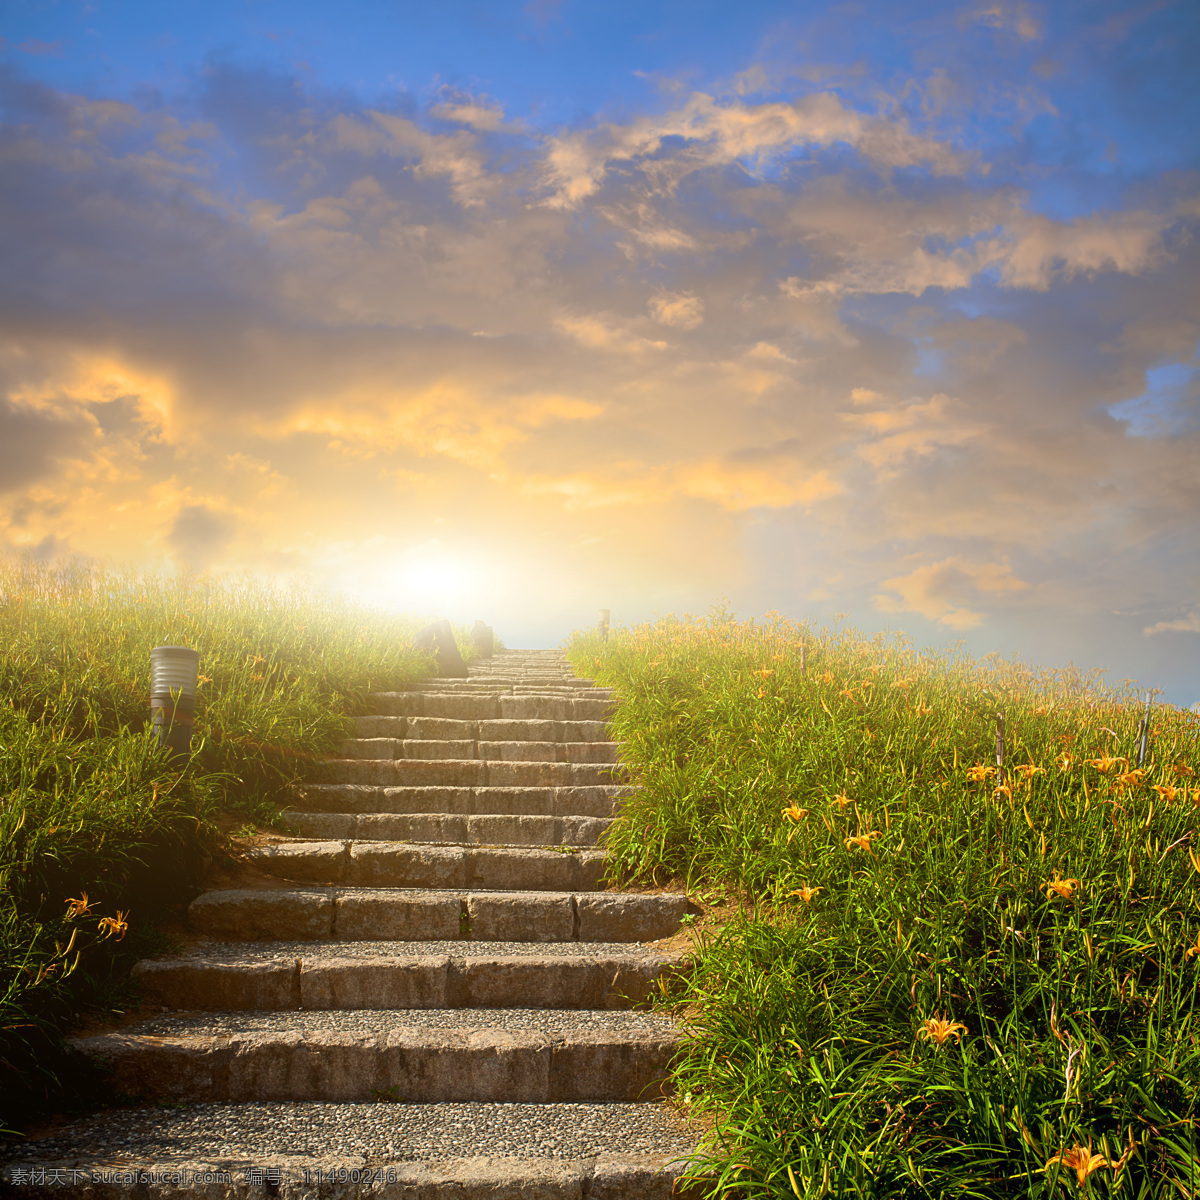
column 425, row 750
column 447, row 729
column 451, row 1179
column 436, row 981
column 348, row 915
column 598, row 800
column 491, row 708
column 394, row 864
column 455, row 830
column 465, row 773
column 516, row 1067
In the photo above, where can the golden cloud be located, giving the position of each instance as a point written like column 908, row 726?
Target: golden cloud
column 940, row 591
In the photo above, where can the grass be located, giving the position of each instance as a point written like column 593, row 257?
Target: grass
column 102, row 836
column 941, row 982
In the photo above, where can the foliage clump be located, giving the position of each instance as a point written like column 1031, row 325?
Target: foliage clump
column 949, row 976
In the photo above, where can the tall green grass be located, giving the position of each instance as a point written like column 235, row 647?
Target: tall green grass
column 101, row 835
column 939, row 985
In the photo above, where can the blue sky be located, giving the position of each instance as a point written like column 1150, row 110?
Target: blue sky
column 888, row 309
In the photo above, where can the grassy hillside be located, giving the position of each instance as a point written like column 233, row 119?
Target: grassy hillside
column 945, row 981
column 100, row 834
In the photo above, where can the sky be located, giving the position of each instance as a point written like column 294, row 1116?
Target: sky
column 515, row 311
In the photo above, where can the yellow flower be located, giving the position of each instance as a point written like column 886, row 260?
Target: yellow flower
column 978, row 773
column 794, row 813
column 1130, row 778
column 78, row 908
column 1061, row 887
column 902, row 683
column 1106, row 764
column 1183, row 770
column 761, row 694
column 114, row 925
column 1005, row 791
column 766, row 673
column 827, row 677
column 841, row 800
column 863, row 841
column 1193, row 949
column 1065, row 761
column 1028, row 770
column 940, row 1030
column 1166, row 792
column 1081, row 1160
column 806, row 893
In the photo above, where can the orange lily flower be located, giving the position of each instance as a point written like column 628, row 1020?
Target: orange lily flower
column 1081, row 1160
column 1064, row 888
column 940, row 1030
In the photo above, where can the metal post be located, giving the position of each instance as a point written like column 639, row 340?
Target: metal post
column 605, row 613
column 1145, row 731
column 173, row 673
column 999, row 749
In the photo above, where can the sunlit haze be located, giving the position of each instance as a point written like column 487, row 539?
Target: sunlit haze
column 515, row 311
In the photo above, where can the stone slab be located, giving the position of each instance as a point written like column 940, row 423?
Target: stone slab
column 399, row 914
column 114, row 1177
column 416, row 1064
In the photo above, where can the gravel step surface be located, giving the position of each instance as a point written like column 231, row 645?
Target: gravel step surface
column 548, row 1022
column 368, row 1133
column 273, row 951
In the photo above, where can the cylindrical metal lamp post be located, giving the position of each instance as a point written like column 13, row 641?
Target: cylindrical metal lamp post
column 603, row 624
column 173, row 672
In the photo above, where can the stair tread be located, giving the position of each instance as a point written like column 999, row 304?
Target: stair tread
column 262, row 1133
column 289, row 951
column 427, row 1024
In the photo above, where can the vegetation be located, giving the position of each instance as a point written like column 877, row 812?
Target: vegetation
column 101, row 834
column 946, row 979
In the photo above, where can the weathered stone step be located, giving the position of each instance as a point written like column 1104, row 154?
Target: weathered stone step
column 370, row 1151
column 450, row 829
column 513, row 686
column 597, row 800
column 444, row 748
column 401, row 864
column 430, row 728
column 338, row 975
column 532, row 1056
column 488, row 707
column 398, row 914
column 466, row 772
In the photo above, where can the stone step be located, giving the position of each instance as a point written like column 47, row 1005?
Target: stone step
column 598, row 800
column 469, row 1151
column 445, row 748
column 399, row 914
column 521, row 1055
column 445, row 728
column 465, row 772
column 489, row 707
column 403, row 864
column 450, row 829
column 395, row 975
column 512, row 686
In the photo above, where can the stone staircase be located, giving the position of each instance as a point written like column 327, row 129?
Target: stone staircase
column 436, row 999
